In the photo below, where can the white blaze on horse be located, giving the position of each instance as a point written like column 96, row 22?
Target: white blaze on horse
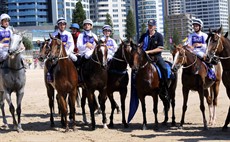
column 13, row 78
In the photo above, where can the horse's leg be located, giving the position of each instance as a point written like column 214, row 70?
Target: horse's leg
column 64, row 111
column 209, row 101
column 185, row 100
column 2, row 105
column 11, row 108
column 225, row 127
column 83, row 99
column 142, row 99
column 227, row 121
column 20, row 95
column 113, row 106
column 90, row 96
column 172, row 98
column 50, row 94
column 216, row 92
column 72, row 99
column 96, row 103
column 78, row 98
column 103, row 97
column 155, row 110
column 123, row 94
column 202, row 107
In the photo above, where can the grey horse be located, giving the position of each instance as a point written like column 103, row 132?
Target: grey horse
column 13, row 79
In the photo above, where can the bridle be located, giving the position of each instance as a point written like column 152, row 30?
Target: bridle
column 97, row 60
column 219, row 43
column 123, row 55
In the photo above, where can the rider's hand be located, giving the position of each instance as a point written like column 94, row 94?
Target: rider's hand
column 89, row 45
column 197, row 45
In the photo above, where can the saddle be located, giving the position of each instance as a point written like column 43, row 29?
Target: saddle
column 170, row 74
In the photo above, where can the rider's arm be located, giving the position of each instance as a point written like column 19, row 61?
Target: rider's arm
column 70, row 44
column 160, row 45
column 80, row 45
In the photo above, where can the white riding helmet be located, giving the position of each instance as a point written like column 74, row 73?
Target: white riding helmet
column 88, row 21
column 198, row 22
column 5, row 16
column 107, row 27
column 61, row 20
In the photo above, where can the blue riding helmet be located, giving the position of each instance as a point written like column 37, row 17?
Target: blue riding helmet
column 74, row 25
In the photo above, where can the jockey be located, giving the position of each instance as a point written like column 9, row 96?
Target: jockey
column 66, row 38
column 153, row 46
column 110, row 43
column 68, row 42
column 196, row 40
column 75, row 33
column 86, row 40
column 5, row 35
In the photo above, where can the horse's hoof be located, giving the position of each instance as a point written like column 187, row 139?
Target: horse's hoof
column 126, row 125
column 93, row 128
column 20, row 130
column 74, row 128
column 67, row 129
column 205, row 128
column 4, row 127
column 164, row 123
column 225, row 129
column 144, row 127
column 52, row 125
column 111, row 125
column 180, row 127
column 173, row 124
column 156, row 127
column 105, row 126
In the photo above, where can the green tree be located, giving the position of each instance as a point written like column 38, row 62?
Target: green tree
column 78, row 15
column 143, row 28
column 175, row 37
column 130, row 25
column 108, row 21
column 27, row 43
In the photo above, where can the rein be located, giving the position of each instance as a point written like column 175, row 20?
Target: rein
column 97, row 58
column 60, row 56
column 184, row 67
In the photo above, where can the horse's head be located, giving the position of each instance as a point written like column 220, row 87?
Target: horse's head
column 15, row 44
column 125, row 50
column 214, row 44
column 179, row 57
column 138, row 57
column 44, row 50
column 57, row 49
column 100, row 53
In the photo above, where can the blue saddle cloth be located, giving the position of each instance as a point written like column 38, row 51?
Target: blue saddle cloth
column 211, row 74
column 134, row 101
column 169, row 72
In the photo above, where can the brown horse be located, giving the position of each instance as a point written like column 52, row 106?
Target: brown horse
column 118, row 79
column 94, row 72
column 147, row 82
column 219, row 48
column 65, row 80
column 195, row 71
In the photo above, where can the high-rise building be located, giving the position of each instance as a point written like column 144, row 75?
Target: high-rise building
column 27, row 13
column 212, row 12
column 3, row 6
column 64, row 8
column 34, row 12
column 115, row 8
column 149, row 9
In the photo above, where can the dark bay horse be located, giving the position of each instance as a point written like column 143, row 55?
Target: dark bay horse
column 94, row 72
column 118, row 78
column 194, row 77
column 65, row 80
column 147, row 82
column 219, row 48
column 13, row 79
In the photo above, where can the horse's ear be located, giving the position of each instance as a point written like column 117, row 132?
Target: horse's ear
column 51, row 36
column 220, row 29
column 58, row 36
column 226, row 35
